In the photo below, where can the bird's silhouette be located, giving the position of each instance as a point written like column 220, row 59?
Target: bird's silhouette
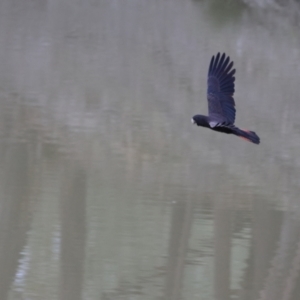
column 221, row 105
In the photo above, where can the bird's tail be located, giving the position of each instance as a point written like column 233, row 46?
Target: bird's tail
column 247, row 135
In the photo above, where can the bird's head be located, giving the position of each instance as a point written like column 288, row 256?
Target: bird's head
column 200, row 120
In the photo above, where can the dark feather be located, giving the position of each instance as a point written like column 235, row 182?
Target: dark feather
column 221, row 105
column 248, row 135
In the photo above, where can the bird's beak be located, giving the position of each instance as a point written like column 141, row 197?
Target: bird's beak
column 193, row 121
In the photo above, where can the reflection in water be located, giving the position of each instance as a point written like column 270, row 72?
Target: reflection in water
column 181, row 221
column 108, row 191
column 222, row 248
column 15, row 215
column 73, row 232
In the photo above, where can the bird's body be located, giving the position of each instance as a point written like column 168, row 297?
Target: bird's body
column 221, row 105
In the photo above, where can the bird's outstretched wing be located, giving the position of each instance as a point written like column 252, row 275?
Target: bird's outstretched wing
column 220, row 90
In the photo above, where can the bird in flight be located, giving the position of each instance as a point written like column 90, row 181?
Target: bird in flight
column 221, row 105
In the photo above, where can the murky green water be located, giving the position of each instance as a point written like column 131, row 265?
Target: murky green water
column 108, row 191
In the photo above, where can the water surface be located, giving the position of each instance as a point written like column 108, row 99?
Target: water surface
column 108, row 191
